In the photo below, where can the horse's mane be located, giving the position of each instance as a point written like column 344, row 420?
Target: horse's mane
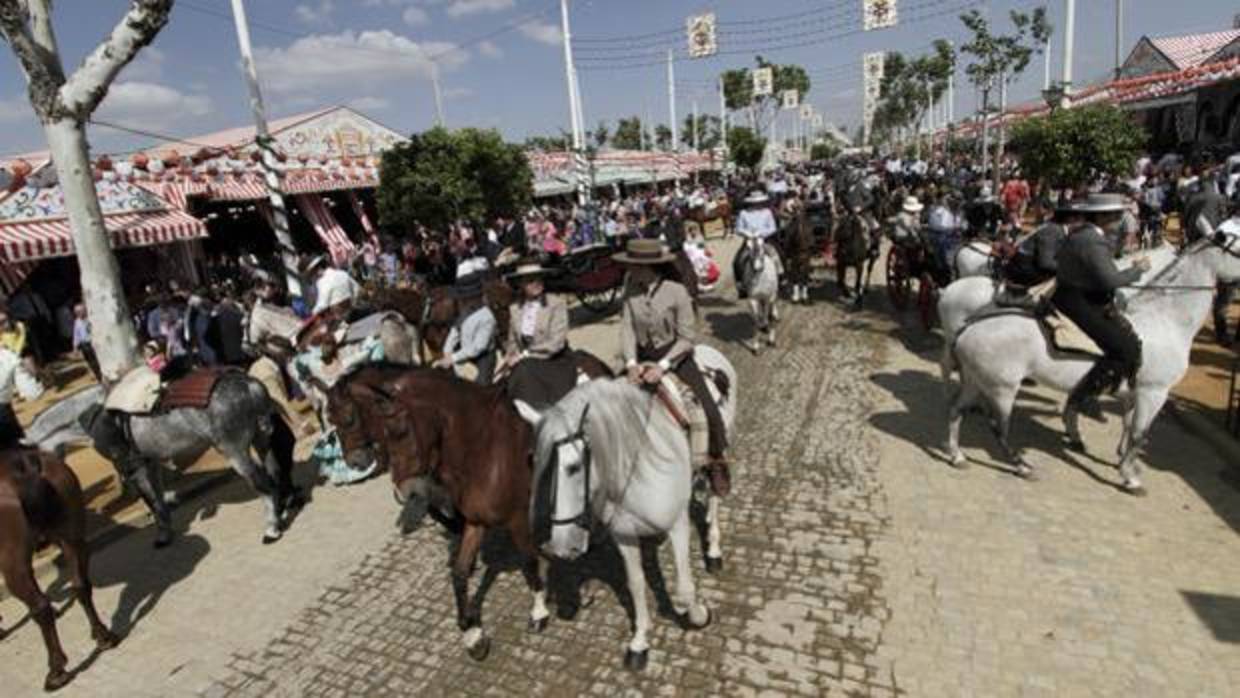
column 615, row 423
column 389, row 368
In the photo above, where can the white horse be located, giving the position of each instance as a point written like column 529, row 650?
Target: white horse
column 611, row 455
column 974, row 258
column 996, row 354
column 760, row 275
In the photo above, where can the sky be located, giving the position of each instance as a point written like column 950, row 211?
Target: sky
column 501, row 62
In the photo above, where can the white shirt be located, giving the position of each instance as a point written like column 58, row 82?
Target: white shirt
column 529, row 318
column 756, row 223
column 942, row 219
column 335, row 286
column 9, row 363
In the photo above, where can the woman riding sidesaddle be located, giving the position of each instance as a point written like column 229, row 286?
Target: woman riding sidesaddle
column 657, row 337
column 537, row 358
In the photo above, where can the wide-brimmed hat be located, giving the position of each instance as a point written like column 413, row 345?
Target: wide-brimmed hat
column 468, row 286
column 314, row 263
column 912, row 205
column 528, row 270
column 1101, row 203
column 643, row 251
column 756, row 197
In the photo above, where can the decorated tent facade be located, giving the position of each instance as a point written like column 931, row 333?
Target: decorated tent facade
column 554, row 175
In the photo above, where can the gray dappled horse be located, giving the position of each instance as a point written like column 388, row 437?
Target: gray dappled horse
column 236, row 419
column 761, row 270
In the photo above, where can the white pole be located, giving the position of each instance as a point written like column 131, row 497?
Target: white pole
column 1069, row 29
column 570, row 75
column 1119, row 36
column 1046, row 71
column 439, row 120
column 671, row 101
column 271, row 177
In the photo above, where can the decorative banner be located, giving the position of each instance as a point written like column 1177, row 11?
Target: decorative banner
column 807, row 111
column 872, row 82
column 702, row 42
column 791, row 99
column 878, row 14
column 763, row 82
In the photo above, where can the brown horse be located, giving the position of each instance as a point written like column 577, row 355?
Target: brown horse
column 41, row 501
column 722, row 212
column 470, row 441
column 857, row 249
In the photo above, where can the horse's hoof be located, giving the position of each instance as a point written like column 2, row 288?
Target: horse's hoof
column 1024, row 472
column 636, row 661
column 107, row 640
column 1136, row 490
column 1076, row 445
column 269, row 538
column 162, row 538
column 959, row 462
column 481, row 649
column 714, row 565
column 537, row 625
column 686, row 620
column 56, row 680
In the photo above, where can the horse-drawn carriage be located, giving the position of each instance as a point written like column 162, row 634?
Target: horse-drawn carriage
column 590, row 274
column 915, row 261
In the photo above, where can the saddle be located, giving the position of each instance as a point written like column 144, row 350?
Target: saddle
column 194, row 390
column 142, row 391
column 1062, row 335
column 682, row 404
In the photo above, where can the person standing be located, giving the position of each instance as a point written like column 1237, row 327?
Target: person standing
column 540, row 366
column 334, row 289
column 81, row 340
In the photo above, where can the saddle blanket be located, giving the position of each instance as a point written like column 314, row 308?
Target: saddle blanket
column 141, row 392
column 137, row 392
column 680, row 401
column 194, row 390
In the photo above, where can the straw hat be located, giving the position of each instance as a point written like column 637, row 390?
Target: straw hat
column 1101, row 203
column 529, row 270
column 912, row 205
column 756, row 197
column 642, row 251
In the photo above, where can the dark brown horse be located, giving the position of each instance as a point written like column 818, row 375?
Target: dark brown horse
column 722, row 212
column 857, row 249
column 41, row 502
column 469, row 441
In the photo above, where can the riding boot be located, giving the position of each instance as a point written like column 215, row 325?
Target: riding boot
column 720, row 477
column 1084, row 397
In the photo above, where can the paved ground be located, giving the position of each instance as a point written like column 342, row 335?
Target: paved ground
column 858, row 564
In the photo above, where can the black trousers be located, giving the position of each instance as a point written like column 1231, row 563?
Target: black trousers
column 542, row 382
column 1222, row 300
column 11, row 431
column 92, row 361
column 283, row 444
column 1120, row 345
column 688, row 372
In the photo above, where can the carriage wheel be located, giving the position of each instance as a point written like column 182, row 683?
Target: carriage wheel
column 600, row 301
column 927, row 297
column 898, row 282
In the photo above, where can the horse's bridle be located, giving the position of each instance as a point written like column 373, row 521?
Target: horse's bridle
column 1219, row 239
column 584, row 518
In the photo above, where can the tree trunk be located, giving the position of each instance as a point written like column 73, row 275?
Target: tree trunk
column 1001, row 145
column 112, row 331
column 985, row 131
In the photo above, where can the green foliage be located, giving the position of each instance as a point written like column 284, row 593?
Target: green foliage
column 628, row 135
column 708, row 131
column 440, row 176
column 908, row 85
column 824, row 151
column 600, row 135
column 1071, row 147
column 563, row 141
column 663, row 137
column 745, row 147
column 738, row 89
column 1003, row 56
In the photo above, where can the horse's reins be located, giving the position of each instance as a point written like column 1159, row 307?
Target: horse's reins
column 1220, row 240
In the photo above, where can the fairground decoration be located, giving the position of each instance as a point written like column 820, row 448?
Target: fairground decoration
column 878, row 14
column 702, row 41
column 791, row 99
column 872, row 76
column 763, row 82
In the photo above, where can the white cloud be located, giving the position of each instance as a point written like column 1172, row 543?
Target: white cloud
column 312, row 14
column 370, row 103
column 540, row 31
column 490, row 50
column 148, row 65
column 15, row 110
column 351, row 60
column 462, row 8
column 150, row 104
column 415, row 16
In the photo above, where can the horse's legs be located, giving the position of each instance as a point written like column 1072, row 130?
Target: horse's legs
column 77, row 555
column 19, row 578
column 1002, row 402
column 1072, row 425
column 1125, row 438
column 146, row 477
column 1148, row 403
column 535, row 570
column 262, row 483
column 639, row 647
column 755, row 312
column 684, row 601
column 468, row 612
column 714, row 551
column 963, row 400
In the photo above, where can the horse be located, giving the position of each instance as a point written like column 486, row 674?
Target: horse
column 974, row 258
column 41, row 501
column 1166, row 314
column 236, row 419
column 610, row 457
column 857, row 249
column 421, row 422
column 797, row 245
column 440, row 309
column 760, row 276
column 722, row 211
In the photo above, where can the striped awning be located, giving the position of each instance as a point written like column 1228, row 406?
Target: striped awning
column 32, row 240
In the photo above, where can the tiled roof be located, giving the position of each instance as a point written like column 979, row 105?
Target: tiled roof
column 1191, row 50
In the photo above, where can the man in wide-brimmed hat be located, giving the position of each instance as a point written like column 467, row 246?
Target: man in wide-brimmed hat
column 657, row 336
column 536, row 355
column 471, row 341
column 1086, row 282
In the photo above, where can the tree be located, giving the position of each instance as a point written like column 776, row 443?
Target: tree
column 738, row 91
column 628, row 135
column 1071, row 147
column 828, row 150
column 707, row 131
column 63, row 104
column 663, row 137
column 563, row 141
column 440, row 176
column 909, row 87
column 746, row 147
column 998, row 59
column 599, row 135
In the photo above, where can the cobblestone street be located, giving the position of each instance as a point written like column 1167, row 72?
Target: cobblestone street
column 857, row 563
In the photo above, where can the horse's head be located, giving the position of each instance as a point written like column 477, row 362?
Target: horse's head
column 357, row 411
column 1224, row 246
column 560, row 500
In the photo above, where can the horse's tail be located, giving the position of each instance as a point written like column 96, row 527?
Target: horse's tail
column 41, row 503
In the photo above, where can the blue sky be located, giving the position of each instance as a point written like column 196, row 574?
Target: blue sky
column 373, row 54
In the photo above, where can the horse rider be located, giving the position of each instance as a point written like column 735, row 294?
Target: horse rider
column 334, row 289
column 1203, row 213
column 657, row 337
column 1086, row 282
column 471, row 341
column 906, row 225
column 536, row 355
column 1036, row 258
column 943, row 224
column 754, row 221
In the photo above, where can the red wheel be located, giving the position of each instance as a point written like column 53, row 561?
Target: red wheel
column 927, row 299
column 898, row 282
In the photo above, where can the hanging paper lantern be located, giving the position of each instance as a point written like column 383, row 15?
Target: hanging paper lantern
column 140, row 160
column 21, row 169
column 172, row 158
column 104, row 163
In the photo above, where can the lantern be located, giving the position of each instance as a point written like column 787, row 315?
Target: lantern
column 104, row 164
column 21, row 169
column 140, row 161
column 172, row 158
